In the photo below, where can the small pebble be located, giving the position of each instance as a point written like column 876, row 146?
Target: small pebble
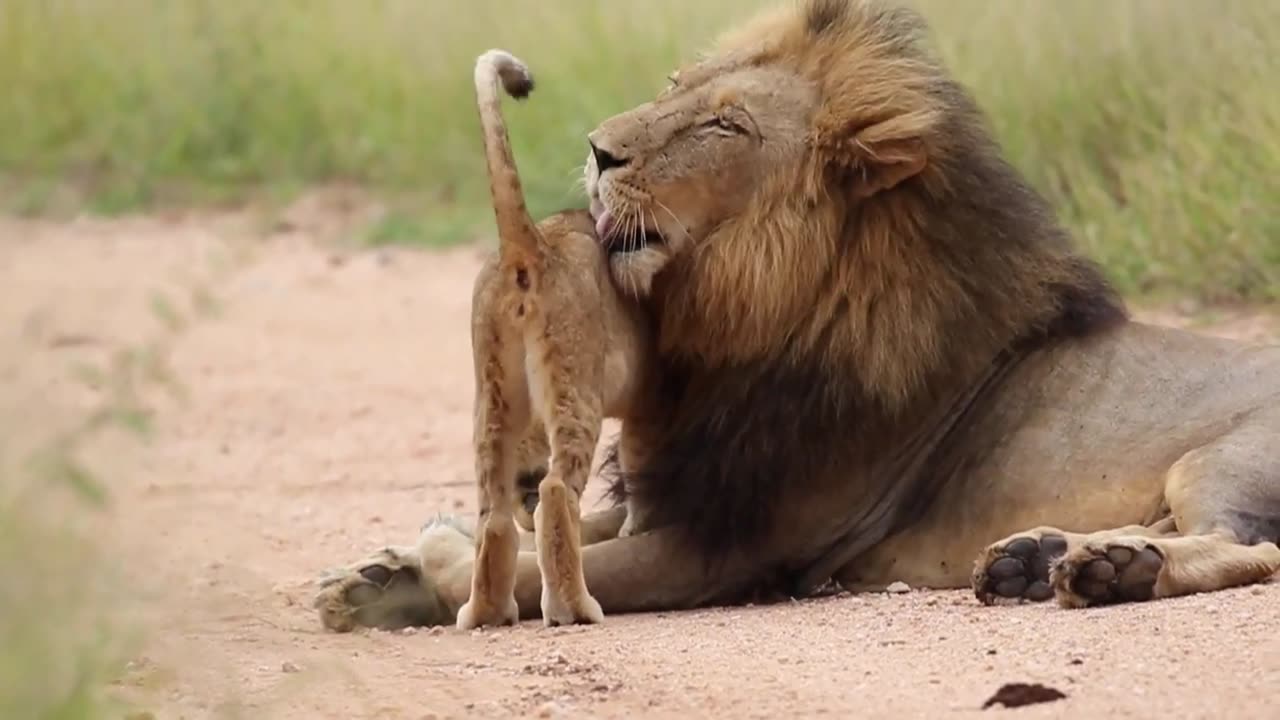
column 289, row 667
column 898, row 588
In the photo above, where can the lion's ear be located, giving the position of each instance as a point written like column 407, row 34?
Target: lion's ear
column 884, row 165
column 880, row 156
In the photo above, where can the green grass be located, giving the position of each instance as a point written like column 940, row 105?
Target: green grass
column 1152, row 124
column 63, row 641
column 60, row 649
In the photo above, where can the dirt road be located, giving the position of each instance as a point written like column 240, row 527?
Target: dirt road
column 328, row 413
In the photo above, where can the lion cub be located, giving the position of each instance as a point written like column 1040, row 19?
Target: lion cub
column 556, row 350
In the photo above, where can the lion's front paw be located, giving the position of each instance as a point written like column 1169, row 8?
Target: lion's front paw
column 1017, row 568
column 396, row 587
column 385, row 591
column 1102, row 573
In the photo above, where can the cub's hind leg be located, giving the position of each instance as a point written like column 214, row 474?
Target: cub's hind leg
column 566, row 364
column 587, row 359
column 1225, row 500
column 558, row 516
column 500, row 421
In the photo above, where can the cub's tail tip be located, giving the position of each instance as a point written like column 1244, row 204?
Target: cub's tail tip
column 516, row 77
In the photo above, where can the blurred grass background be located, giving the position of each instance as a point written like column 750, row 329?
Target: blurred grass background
column 63, row 638
column 1154, row 125
column 69, row 612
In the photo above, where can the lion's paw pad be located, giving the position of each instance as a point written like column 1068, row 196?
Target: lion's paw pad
column 1108, row 573
column 1020, row 569
column 376, row 596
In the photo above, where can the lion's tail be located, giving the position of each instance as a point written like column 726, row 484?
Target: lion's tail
column 517, row 234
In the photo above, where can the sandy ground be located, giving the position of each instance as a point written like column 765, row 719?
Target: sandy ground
column 328, row 412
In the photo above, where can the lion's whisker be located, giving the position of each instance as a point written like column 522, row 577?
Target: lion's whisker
column 654, row 215
column 633, row 228
column 663, row 205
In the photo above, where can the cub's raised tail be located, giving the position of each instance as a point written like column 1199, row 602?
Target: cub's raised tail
column 498, row 70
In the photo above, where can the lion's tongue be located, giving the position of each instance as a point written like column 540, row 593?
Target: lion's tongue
column 604, row 225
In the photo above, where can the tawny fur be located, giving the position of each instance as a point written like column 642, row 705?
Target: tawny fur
column 550, row 345
column 878, row 354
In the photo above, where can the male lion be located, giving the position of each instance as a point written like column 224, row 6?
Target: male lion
column 878, row 353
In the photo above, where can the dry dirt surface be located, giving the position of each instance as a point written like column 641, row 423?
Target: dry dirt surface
column 328, row 413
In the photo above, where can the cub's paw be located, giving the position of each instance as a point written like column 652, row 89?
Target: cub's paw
column 1104, row 573
column 476, row 613
column 386, row 591
column 583, row 610
column 1018, row 567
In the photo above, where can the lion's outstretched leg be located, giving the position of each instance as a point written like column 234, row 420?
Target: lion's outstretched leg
column 1224, row 498
column 642, row 573
column 401, row 586
column 1132, row 568
column 1122, row 565
column 424, row 584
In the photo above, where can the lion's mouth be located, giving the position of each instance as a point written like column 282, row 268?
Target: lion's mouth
column 618, row 237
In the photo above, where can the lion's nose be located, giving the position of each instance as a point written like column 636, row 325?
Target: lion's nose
column 605, row 159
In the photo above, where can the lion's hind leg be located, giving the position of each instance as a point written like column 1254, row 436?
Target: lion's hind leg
column 1018, row 567
column 1224, row 521
column 1134, row 569
column 1225, row 500
column 1129, row 564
